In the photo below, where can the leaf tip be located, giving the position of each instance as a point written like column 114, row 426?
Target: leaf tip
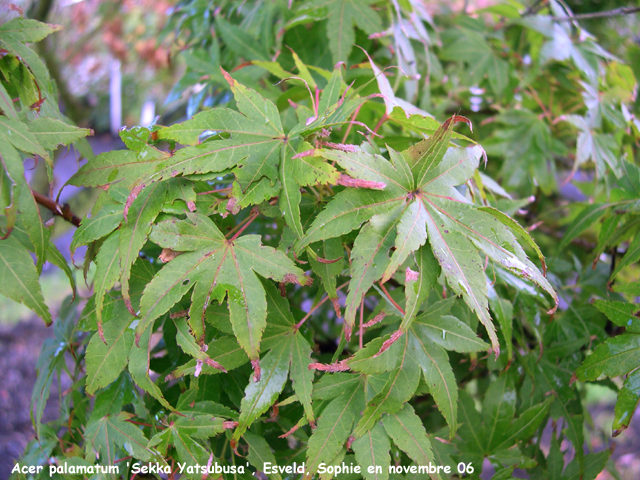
column 228, row 77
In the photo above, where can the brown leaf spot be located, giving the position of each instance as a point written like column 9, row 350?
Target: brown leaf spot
column 229, row 424
column 387, row 344
column 216, row 365
column 340, row 366
column 255, row 363
column 167, row 255
column 336, row 306
column 347, row 181
column 228, row 78
column 232, row 206
column 324, row 260
column 342, row 146
column 377, row 319
column 410, row 275
column 285, row 435
column 303, row 280
column 350, row 440
column 135, row 191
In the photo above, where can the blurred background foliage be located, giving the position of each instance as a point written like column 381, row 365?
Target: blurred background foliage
column 553, row 103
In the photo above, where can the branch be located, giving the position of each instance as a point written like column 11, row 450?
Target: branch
column 61, row 210
column 606, row 14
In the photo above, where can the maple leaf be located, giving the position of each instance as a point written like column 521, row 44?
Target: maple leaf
column 342, row 14
column 214, row 267
column 419, row 205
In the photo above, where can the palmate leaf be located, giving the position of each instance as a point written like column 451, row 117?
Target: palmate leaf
column 342, row 14
column 105, row 436
column 214, row 267
column 334, row 426
column 255, row 144
column 408, row 433
column 420, row 202
column 289, row 355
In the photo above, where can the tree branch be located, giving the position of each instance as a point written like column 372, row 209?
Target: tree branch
column 606, row 14
column 60, row 210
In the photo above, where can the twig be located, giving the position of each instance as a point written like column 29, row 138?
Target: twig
column 384, row 289
column 382, row 120
column 361, row 322
column 315, row 307
column 616, row 12
column 60, row 210
column 226, row 189
column 250, row 219
column 353, row 119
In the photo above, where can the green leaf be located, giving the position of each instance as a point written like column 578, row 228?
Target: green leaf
column 290, row 196
column 51, row 359
column 470, row 47
column 411, row 236
column 260, row 395
column 620, row 313
column 503, row 311
column 526, row 424
column 369, row 259
column 106, row 359
column 139, row 359
column 50, row 132
column 627, row 402
column 213, row 266
column 239, row 40
column 616, row 356
column 260, row 453
column 330, row 249
column 199, row 425
column 407, row 431
column 20, row 278
column 301, row 376
column 103, row 223
column 333, row 429
column 347, row 211
column 135, row 230
column 449, row 332
column 108, row 435
column 471, row 424
column 594, row 463
column 400, row 386
column 631, row 256
column 372, row 451
column 585, row 219
column 30, row 219
column 17, row 134
column 6, row 104
column 188, row 450
column 107, row 272
column 27, row 30
column 458, row 232
column 333, row 385
column 342, row 15
column 417, row 291
column 438, row 375
column 498, row 410
column 367, row 360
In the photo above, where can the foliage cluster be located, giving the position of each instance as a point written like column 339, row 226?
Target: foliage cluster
column 313, row 269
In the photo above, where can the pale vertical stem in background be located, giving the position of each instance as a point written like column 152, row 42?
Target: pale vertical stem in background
column 115, row 96
column 148, row 114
